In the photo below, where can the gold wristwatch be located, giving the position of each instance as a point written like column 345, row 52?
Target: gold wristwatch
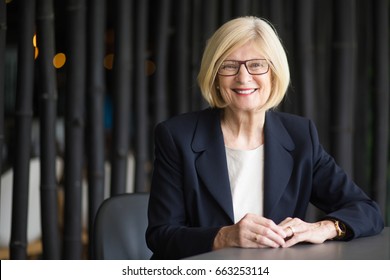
column 340, row 228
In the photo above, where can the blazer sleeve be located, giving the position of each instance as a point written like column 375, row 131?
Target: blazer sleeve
column 339, row 197
column 168, row 235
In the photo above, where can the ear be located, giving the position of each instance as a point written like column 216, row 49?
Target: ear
column 216, row 84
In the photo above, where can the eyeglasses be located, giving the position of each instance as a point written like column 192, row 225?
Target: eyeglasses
column 253, row 66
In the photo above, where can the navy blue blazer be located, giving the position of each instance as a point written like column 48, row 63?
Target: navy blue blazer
column 190, row 198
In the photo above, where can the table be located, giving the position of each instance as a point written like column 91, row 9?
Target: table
column 371, row 248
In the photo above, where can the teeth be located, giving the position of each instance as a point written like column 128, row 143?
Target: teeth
column 247, row 91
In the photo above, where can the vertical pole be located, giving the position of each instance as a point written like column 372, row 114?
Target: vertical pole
column 141, row 109
column 181, row 57
column 3, row 29
column 305, row 56
column 122, row 96
column 74, row 127
column 162, row 41
column 343, row 78
column 363, row 109
column 23, row 120
column 48, row 113
column 95, row 106
column 381, row 101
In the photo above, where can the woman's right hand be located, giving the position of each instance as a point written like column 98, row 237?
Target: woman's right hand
column 252, row 231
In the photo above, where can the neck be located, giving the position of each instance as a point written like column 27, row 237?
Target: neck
column 243, row 130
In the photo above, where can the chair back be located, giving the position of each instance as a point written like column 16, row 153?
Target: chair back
column 119, row 228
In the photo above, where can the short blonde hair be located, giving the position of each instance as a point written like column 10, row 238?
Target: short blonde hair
column 232, row 35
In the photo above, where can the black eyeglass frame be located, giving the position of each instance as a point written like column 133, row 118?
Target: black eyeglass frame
column 241, row 62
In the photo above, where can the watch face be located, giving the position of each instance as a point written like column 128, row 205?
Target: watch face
column 342, row 228
column 338, row 229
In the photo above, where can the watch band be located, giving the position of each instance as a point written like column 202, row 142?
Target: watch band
column 340, row 229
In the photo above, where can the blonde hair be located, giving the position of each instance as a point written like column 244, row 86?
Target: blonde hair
column 232, row 35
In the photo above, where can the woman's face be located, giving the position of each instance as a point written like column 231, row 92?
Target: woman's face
column 243, row 91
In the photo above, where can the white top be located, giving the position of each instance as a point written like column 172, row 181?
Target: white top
column 246, row 175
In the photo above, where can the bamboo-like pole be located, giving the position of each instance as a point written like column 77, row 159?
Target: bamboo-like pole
column 226, row 10
column 181, row 58
column 95, row 106
column 162, row 40
column 241, row 8
column 48, row 114
column 23, row 120
column 74, row 128
column 141, row 99
column 381, row 101
column 305, row 57
column 209, row 19
column 276, row 12
column 3, row 29
column 209, row 23
column 121, row 95
column 323, row 39
column 305, row 69
column 363, row 119
column 343, row 79
column 197, row 46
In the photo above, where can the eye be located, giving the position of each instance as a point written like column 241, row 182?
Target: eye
column 257, row 64
column 229, row 66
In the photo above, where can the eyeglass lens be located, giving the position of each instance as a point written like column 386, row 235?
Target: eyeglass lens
column 253, row 66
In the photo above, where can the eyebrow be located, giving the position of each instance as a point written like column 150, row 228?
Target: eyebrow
column 227, row 59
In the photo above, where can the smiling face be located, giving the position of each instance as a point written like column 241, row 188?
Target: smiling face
column 245, row 92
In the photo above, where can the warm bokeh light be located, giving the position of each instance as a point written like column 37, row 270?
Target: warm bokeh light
column 8, row 1
column 150, row 67
column 108, row 61
column 59, row 60
column 34, row 41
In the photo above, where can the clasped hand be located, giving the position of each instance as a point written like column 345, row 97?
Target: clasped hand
column 254, row 231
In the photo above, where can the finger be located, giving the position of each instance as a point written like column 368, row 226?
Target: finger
column 276, row 229
column 295, row 227
column 280, row 231
column 291, row 226
column 287, row 227
column 262, row 225
column 272, row 237
column 262, row 241
column 296, row 238
column 290, row 242
column 265, row 231
column 285, row 221
column 290, row 231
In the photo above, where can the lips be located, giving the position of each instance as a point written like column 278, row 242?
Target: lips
column 245, row 91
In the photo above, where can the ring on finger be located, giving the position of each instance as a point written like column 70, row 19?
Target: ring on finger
column 292, row 229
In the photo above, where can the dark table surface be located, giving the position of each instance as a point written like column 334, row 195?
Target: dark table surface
column 371, row 248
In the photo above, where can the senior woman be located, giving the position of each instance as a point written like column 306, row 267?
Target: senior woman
column 240, row 173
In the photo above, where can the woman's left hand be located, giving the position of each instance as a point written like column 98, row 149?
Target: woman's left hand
column 300, row 231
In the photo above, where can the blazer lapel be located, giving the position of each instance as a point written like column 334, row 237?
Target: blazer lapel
column 211, row 164
column 278, row 162
column 212, row 167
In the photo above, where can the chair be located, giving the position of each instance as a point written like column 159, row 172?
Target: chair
column 119, row 229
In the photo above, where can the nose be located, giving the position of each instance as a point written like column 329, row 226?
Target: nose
column 243, row 75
